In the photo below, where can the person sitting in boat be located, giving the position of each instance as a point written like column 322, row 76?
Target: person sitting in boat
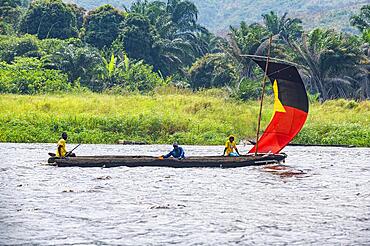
column 230, row 147
column 62, row 149
column 177, row 152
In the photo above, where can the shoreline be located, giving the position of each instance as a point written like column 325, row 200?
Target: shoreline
column 199, row 118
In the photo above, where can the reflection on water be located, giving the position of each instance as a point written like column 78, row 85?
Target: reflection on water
column 320, row 196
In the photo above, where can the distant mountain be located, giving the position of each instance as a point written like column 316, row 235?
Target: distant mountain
column 218, row 15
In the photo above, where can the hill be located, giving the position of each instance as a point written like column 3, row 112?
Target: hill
column 218, row 15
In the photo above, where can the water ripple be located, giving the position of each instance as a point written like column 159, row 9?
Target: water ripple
column 321, row 196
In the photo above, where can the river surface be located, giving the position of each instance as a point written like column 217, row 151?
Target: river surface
column 327, row 204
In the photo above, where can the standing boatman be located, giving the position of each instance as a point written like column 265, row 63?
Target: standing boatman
column 62, row 150
column 230, row 146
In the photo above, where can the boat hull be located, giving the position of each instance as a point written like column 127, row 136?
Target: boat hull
column 146, row 161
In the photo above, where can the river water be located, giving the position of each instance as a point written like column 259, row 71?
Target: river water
column 328, row 204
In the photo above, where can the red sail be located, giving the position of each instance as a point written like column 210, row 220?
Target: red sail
column 290, row 107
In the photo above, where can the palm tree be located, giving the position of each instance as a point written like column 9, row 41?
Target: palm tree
column 331, row 61
column 77, row 62
column 362, row 20
column 177, row 44
column 183, row 13
column 248, row 39
column 285, row 29
column 173, row 55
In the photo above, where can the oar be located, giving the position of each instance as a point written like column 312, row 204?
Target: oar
column 70, row 152
column 53, row 154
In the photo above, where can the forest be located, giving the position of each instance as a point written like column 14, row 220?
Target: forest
column 49, row 46
column 218, row 15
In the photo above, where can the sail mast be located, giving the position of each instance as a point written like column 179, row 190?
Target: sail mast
column 263, row 94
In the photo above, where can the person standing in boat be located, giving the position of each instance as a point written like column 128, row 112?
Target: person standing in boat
column 177, row 152
column 230, row 147
column 62, row 149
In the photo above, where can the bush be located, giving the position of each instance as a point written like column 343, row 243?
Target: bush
column 12, row 46
column 26, row 76
column 101, row 26
column 249, row 90
column 212, row 70
column 49, row 19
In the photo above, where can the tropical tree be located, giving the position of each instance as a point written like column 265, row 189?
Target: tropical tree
column 283, row 28
column 5, row 28
column 177, row 41
column 362, row 20
column 102, row 26
column 79, row 12
column 10, row 11
column 184, row 14
column 212, row 70
column 77, row 61
column 246, row 40
column 171, row 56
column 137, row 37
column 119, row 73
column 152, row 10
column 12, row 47
column 209, row 43
column 331, row 61
column 49, row 19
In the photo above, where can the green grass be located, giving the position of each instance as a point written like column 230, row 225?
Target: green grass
column 206, row 117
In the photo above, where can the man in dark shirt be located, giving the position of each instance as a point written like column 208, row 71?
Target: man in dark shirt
column 177, row 152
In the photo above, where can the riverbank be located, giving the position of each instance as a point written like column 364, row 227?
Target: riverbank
column 204, row 118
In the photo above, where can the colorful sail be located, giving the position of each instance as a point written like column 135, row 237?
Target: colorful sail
column 290, row 106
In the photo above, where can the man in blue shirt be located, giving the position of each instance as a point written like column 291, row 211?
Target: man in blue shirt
column 177, row 152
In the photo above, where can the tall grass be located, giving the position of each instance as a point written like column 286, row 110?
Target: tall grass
column 206, row 117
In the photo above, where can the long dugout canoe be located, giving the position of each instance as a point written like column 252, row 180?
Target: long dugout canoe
column 148, row 161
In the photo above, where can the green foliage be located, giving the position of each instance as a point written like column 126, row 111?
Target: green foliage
column 10, row 11
column 137, row 37
column 5, row 28
column 79, row 13
column 366, row 35
column 362, row 20
column 212, row 70
column 332, row 61
column 177, row 37
column 249, row 38
column 77, row 60
column 218, row 15
column 284, row 28
column 12, row 46
column 249, row 90
column 102, row 25
column 27, row 76
column 49, row 19
column 121, row 74
column 206, row 117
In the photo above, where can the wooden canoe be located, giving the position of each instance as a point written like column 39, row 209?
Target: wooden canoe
column 148, row 161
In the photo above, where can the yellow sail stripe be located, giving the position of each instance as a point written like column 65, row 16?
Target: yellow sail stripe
column 278, row 106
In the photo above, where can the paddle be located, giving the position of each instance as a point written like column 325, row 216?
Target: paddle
column 70, row 152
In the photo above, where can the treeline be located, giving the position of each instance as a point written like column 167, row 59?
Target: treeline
column 48, row 46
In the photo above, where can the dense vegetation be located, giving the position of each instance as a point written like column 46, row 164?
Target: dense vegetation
column 218, row 15
column 205, row 117
column 48, row 46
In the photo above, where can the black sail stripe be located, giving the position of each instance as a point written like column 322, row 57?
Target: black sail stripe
column 292, row 92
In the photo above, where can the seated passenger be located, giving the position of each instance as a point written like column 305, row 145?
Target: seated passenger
column 230, row 148
column 177, row 152
column 62, row 150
